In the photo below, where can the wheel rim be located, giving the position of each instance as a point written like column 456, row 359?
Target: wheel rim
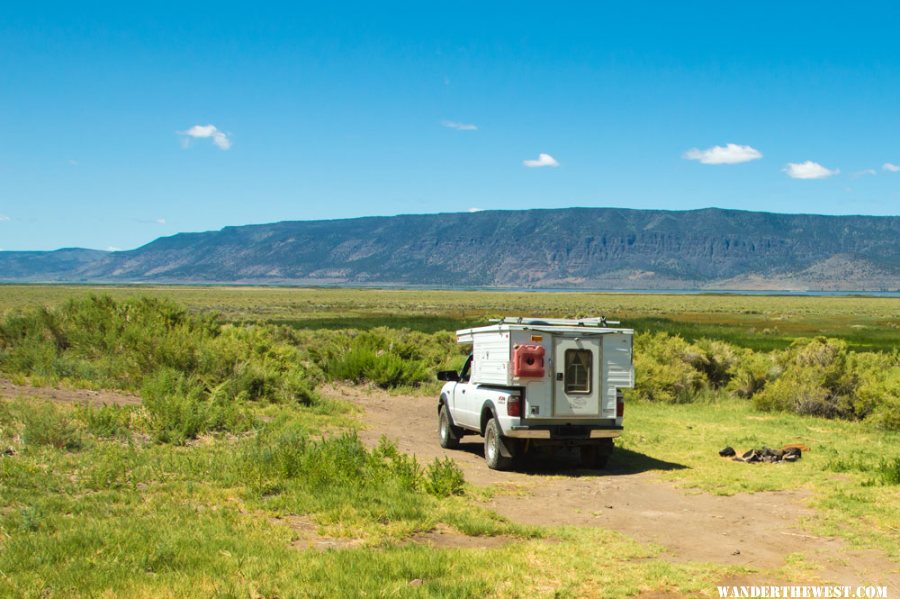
column 489, row 443
column 443, row 427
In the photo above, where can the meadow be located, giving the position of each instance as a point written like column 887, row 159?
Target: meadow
column 234, row 471
column 758, row 322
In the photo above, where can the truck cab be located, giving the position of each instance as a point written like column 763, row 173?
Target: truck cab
column 533, row 382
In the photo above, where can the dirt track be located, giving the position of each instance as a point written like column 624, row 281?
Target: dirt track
column 94, row 398
column 753, row 530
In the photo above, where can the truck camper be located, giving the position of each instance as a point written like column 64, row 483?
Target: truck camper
column 532, row 382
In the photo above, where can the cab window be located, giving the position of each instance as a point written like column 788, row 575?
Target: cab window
column 466, row 371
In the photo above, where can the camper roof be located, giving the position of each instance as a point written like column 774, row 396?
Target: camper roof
column 593, row 321
column 583, row 326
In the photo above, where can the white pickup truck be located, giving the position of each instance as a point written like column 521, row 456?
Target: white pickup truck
column 538, row 382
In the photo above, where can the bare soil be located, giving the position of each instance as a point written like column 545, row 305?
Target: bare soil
column 96, row 398
column 751, row 530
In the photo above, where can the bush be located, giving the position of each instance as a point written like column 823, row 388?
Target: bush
column 818, row 377
column 107, row 421
column 889, row 471
column 179, row 408
column 663, row 368
column 444, row 478
column 45, row 424
column 387, row 357
column 107, row 344
column 821, row 377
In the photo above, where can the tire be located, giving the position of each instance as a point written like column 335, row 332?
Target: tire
column 447, row 433
column 493, row 443
column 596, row 456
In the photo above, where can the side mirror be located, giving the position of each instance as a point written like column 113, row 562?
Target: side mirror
column 448, row 375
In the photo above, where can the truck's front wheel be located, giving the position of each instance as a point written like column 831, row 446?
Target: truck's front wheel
column 448, row 433
column 493, row 442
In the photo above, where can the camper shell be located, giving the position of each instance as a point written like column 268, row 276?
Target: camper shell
column 552, row 381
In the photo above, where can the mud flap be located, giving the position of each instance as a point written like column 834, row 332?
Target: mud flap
column 508, row 447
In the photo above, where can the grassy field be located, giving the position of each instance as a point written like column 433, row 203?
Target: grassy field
column 233, row 474
column 758, row 322
column 94, row 507
column 113, row 516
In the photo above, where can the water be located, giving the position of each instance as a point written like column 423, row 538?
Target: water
column 774, row 292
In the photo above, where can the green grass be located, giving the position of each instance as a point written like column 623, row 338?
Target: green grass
column 128, row 517
column 124, row 516
column 758, row 322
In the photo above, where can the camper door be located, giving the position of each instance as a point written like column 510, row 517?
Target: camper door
column 577, row 378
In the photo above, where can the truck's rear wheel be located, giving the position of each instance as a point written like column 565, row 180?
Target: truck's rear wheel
column 493, row 442
column 448, row 433
column 596, row 456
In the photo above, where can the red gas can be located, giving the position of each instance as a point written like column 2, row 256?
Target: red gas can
column 528, row 361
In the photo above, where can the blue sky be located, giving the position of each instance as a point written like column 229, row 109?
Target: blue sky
column 120, row 125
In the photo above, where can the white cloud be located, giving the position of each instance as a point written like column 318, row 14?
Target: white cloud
column 4, row 218
column 894, row 168
column 459, row 126
column 112, row 248
column 475, row 209
column 542, row 160
column 864, row 172
column 727, row 154
column 160, row 221
column 808, row 170
column 206, row 132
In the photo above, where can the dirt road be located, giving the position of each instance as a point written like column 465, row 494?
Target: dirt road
column 79, row 396
column 755, row 530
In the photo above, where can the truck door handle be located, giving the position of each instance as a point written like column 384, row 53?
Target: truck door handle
column 463, row 391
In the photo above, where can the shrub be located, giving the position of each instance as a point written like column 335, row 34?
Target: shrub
column 889, row 471
column 751, row 374
column 822, row 378
column 717, row 360
column 179, row 408
column 105, row 343
column 107, row 421
column 663, row 368
column 444, row 478
column 45, row 424
column 387, row 357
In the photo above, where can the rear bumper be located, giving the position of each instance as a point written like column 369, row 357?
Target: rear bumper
column 563, row 433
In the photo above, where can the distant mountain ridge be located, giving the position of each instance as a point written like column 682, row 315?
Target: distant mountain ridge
column 610, row 248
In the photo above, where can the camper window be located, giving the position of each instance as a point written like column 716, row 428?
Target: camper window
column 578, row 370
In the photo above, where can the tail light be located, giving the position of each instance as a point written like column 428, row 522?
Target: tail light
column 620, row 404
column 514, row 406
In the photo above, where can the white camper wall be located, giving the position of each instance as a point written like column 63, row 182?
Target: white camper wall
column 492, row 358
column 618, row 372
column 538, row 391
